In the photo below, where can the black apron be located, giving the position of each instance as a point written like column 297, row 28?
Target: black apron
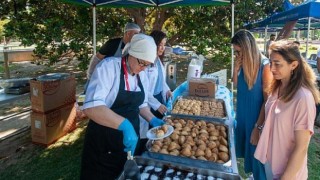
column 156, row 113
column 103, row 152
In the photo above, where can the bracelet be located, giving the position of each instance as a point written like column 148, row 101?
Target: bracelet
column 259, row 127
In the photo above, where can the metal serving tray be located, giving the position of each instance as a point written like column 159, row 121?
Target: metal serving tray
column 200, row 116
column 230, row 166
column 159, row 169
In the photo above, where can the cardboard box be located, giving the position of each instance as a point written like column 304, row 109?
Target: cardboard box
column 50, row 95
column 46, row 128
column 202, row 87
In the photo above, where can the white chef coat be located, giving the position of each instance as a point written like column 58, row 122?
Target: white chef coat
column 152, row 74
column 104, row 84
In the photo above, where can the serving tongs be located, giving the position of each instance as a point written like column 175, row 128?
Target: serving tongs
column 131, row 169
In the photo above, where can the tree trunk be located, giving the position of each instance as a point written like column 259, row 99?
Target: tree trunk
column 161, row 17
column 139, row 16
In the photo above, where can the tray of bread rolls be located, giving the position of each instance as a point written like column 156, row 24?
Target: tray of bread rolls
column 200, row 107
column 158, row 169
column 198, row 142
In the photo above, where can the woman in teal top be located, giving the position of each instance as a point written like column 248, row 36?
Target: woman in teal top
column 252, row 77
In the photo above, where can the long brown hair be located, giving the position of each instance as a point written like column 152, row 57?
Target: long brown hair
column 251, row 56
column 302, row 75
column 158, row 36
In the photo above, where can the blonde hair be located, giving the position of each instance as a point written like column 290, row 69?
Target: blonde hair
column 251, row 56
column 302, row 75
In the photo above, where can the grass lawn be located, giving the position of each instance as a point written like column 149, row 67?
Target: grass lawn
column 62, row 159
column 12, row 66
column 313, row 159
column 59, row 161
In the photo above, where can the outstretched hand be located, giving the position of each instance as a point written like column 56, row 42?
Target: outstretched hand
column 162, row 109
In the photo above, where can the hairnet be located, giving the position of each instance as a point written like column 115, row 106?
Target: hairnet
column 143, row 47
column 131, row 26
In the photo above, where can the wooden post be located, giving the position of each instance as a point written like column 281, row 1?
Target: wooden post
column 6, row 63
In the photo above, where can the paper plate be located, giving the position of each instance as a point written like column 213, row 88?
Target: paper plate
column 151, row 135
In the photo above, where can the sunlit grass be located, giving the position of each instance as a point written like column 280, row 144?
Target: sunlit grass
column 314, row 157
column 12, row 67
column 58, row 161
column 313, row 160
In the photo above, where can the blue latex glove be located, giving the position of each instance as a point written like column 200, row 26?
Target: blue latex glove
column 130, row 138
column 156, row 122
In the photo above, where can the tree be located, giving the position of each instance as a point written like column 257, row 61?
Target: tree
column 59, row 30
column 2, row 23
column 252, row 10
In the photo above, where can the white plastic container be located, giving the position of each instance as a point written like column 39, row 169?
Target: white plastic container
column 195, row 67
column 194, row 71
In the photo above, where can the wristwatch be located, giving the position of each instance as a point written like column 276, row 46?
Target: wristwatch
column 259, row 127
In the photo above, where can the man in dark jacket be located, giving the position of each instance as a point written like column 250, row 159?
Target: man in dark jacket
column 113, row 47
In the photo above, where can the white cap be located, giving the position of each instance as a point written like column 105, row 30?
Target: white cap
column 131, row 26
column 142, row 47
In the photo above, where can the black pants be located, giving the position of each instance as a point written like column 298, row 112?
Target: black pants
column 141, row 147
column 103, row 156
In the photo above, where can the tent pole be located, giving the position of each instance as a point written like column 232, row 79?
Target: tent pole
column 94, row 29
column 265, row 40
column 307, row 45
column 232, row 34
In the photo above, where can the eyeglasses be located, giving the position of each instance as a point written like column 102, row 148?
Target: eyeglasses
column 141, row 63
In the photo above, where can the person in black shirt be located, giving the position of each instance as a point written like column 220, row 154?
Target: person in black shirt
column 113, row 47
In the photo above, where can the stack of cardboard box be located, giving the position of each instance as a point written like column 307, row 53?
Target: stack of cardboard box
column 53, row 109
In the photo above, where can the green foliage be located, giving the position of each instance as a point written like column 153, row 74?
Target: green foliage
column 313, row 48
column 314, row 157
column 317, row 34
column 62, row 30
column 11, row 8
column 2, row 23
column 201, row 28
column 12, row 67
column 251, row 10
column 65, row 30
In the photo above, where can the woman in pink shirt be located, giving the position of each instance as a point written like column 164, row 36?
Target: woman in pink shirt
column 290, row 113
